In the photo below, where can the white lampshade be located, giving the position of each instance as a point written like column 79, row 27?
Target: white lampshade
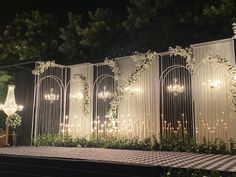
column 10, row 106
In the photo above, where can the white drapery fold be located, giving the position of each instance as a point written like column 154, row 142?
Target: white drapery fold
column 138, row 111
column 79, row 124
column 214, row 116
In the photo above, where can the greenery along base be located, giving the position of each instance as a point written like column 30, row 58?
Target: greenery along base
column 175, row 172
column 169, row 143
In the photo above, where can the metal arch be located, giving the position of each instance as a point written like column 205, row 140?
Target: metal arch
column 162, row 79
column 97, row 81
column 65, row 94
column 36, row 99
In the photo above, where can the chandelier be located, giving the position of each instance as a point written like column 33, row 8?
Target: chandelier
column 132, row 91
column 213, row 84
column 76, row 97
column 51, row 96
column 104, row 95
column 10, row 106
column 175, row 88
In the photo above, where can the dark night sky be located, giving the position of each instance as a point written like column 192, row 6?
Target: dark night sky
column 9, row 8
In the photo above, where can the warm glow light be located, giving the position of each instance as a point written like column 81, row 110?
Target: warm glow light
column 10, row 106
column 132, row 91
column 175, row 88
column 104, row 95
column 51, row 96
column 76, row 97
column 213, row 84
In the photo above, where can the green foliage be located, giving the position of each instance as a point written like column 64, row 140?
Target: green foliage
column 14, row 120
column 167, row 143
column 99, row 142
column 91, row 39
column 173, row 172
column 156, row 24
column 147, row 25
column 174, row 143
column 55, row 140
column 29, row 36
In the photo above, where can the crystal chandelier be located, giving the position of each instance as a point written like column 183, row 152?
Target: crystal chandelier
column 10, row 106
column 104, row 95
column 76, row 97
column 51, row 96
column 175, row 88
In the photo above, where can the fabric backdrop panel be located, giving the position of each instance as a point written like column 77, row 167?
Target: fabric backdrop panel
column 139, row 110
column 215, row 117
column 80, row 124
column 24, row 91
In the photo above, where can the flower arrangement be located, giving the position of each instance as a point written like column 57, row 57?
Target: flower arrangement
column 234, row 30
column 186, row 53
column 114, row 67
column 142, row 63
column 13, row 120
column 41, row 66
column 85, row 91
column 212, row 58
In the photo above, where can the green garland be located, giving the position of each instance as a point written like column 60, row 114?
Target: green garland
column 192, row 65
column 142, row 62
column 166, row 143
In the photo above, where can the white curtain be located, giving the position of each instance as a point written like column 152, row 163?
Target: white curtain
column 138, row 112
column 79, row 124
column 214, row 116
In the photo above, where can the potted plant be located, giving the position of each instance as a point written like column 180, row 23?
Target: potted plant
column 13, row 121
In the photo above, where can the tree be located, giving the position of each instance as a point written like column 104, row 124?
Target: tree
column 29, row 36
column 158, row 24
column 93, row 39
column 71, row 36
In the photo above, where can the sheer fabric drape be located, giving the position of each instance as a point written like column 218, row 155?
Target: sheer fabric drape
column 48, row 115
column 138, row 112
column 79, row 124
column 214, row 116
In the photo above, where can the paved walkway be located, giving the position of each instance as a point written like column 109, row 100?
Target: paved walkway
column 150, row 158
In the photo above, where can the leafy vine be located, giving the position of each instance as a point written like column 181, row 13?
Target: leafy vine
column 212, row 58
column 186, row 53
column 234, row 30
column 142, row 62
column 113, row 64
column 42, row 66
column 85, row 91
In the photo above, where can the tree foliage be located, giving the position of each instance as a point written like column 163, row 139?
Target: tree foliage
column 91, row 39
column 148, row 25
column 29, row 36
column 158, row 24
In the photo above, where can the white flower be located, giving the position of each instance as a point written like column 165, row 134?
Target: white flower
column 142, row 62
column 13, row 120
column 41, row 66
column 234, row 30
